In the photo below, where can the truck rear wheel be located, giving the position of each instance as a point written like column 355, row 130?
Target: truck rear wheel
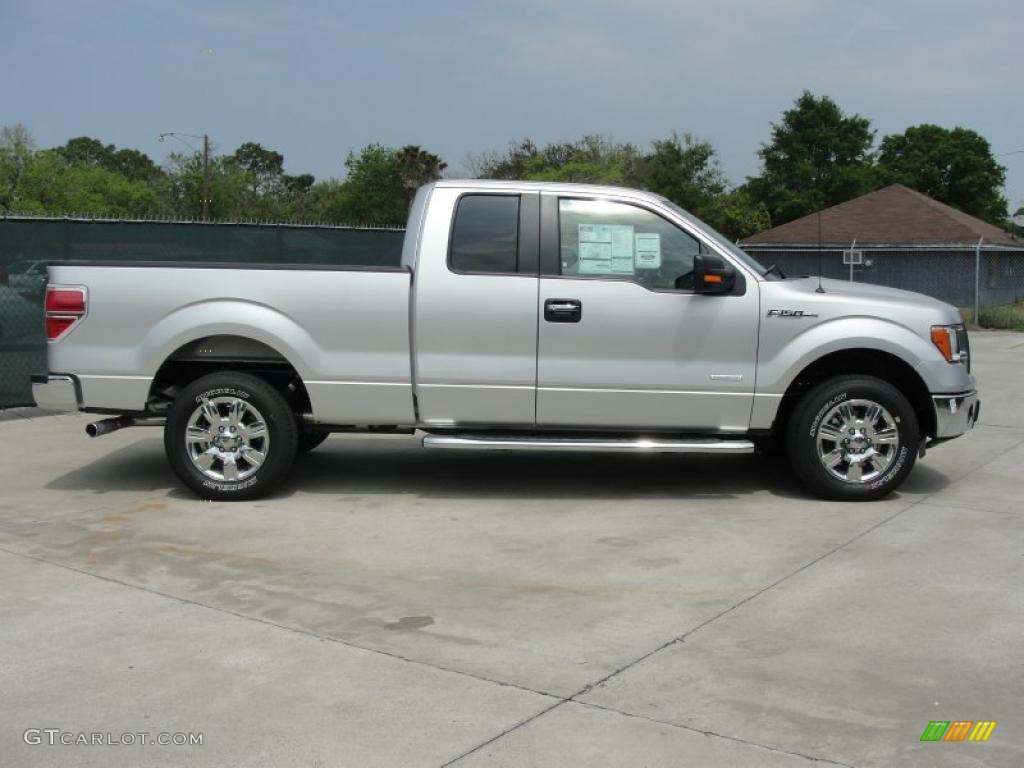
column 230, row 436
column 852, row 438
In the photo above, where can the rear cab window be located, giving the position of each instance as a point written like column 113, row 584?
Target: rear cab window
column 485, row 235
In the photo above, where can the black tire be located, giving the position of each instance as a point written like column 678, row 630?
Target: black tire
column 281, row 432
column 816, row 405
column 310, row 439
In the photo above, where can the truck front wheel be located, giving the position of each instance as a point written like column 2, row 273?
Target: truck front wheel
column 852, row 438
column 230, row 436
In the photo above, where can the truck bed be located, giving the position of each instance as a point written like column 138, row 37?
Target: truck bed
column 345, row 330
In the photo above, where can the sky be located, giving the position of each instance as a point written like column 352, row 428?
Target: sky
column 315, row 80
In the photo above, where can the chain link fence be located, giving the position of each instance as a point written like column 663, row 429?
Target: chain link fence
column 28, row 243
column 985, row 282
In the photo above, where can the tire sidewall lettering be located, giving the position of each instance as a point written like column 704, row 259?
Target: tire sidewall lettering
column 230, row 487
column 220, row 392
column 893, row 471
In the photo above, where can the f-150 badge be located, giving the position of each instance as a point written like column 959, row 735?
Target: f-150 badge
column 790, row 313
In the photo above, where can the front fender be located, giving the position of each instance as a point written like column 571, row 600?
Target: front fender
column 783, row 355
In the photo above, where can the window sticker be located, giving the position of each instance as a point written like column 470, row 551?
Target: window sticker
column 648, row 250
column 595, row 258
column 606, row 249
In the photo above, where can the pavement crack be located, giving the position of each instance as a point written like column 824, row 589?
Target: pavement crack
column 504, row 733
column 277, row 625
column 716, row 735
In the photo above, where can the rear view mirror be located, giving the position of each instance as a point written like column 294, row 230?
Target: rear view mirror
column 711, row 274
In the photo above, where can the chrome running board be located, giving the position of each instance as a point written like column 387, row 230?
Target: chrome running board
column 632, row 444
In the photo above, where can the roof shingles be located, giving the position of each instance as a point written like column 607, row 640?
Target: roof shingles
column 889, row 216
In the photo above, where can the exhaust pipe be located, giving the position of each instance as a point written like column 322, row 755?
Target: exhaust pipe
column 105, row 427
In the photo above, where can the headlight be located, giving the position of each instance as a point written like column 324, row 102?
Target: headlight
column 951, row 341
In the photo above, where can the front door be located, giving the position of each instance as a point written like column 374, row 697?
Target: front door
column 620, row 345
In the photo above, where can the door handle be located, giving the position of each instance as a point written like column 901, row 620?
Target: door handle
column 563, row 310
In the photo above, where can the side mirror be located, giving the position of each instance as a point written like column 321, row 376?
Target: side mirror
column 712, row 275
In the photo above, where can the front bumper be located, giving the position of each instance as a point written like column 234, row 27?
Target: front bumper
column 56, row 392
column 955, row 414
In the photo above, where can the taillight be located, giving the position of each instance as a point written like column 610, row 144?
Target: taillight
column 65, row 306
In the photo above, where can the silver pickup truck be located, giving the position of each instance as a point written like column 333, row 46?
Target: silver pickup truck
column 524, row 315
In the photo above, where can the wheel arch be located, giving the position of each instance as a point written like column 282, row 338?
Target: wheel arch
column 226, row 352
column 868, row 361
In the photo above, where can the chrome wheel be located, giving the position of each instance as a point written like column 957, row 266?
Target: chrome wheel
column 227, row 438
column 857, row 441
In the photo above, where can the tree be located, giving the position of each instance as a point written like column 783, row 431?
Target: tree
column 50, row 185
column 508, row 166
column 135, row 165
column 682, row 168
column 954, row 166
column 180, row 192
column 264, row 167
column 81, row 177
column 300, row 184
column 322, row 201
column 685, row 170
column 416, row 168
column 737, row 214
column 590, row 160
column 373, row 193
column 16, row 152
column 817, row 157
column 85, row 150
column 131, row 163
column 381, row 182
column 16, row 138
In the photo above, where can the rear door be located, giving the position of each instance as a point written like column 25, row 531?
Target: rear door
column 620, row 345
column 475, row 308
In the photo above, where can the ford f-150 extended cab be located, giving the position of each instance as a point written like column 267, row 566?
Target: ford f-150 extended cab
column 524, row 315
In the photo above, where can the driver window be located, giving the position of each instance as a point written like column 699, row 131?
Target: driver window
column 600, row 238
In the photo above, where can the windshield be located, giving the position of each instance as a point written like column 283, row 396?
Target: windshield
column 722, row 241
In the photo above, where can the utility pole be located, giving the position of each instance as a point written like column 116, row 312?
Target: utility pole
column 206, row 177
column 206, row 164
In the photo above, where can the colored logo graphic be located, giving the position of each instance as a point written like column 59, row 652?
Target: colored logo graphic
column 958, row 730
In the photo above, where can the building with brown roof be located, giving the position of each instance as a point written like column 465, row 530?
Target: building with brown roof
column 904, row 239
column 893, row 215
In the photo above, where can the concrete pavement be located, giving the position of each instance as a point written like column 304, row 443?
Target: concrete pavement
column 394, row 606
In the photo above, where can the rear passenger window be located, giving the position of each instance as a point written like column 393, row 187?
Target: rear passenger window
column 485, row 234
